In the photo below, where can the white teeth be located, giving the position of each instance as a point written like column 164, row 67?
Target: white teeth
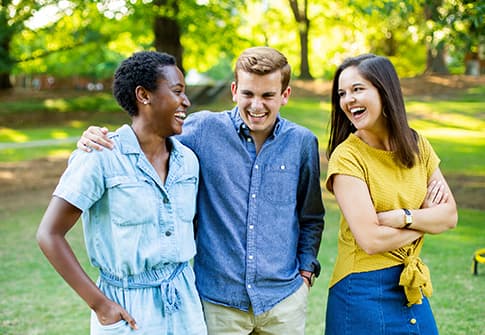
column 181, row 115
column 357, row 110
column 256, row 114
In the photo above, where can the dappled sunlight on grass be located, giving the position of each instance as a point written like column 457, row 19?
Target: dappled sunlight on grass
column 59, row 134
column 16, row 155
column 60, row 153
column 463, row 115
column 12, row 135
column 60, row 105
column 77, row 124
column 460, row 135
column 462, row 155
column 310, row 113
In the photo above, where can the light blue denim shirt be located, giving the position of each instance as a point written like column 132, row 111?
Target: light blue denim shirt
column 260, row 217
column 132, row 221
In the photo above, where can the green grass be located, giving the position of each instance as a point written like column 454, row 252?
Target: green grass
column 103, row 102
column 35, row 300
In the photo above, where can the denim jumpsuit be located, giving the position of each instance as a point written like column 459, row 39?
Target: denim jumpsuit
column 139, row 233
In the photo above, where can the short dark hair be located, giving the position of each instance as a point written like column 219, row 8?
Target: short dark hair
column 380, row 72
column 144, row 69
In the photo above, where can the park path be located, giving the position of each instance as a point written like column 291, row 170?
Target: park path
column 38, row 143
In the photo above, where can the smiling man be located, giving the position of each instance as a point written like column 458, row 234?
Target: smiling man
column 260, row 210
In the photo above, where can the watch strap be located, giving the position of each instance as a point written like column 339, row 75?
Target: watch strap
column 408, row 218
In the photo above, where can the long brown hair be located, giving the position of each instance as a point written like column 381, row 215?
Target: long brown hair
column 380, row 72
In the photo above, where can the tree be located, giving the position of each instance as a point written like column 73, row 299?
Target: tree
column 303, row 23
column 206, row 26
column 469, row 30
column 167, row 29
column 436, row 45
column 13, row 15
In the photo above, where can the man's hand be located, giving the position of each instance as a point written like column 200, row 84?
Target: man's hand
column 94, row 138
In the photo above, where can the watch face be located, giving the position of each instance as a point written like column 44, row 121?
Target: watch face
column 408, row 216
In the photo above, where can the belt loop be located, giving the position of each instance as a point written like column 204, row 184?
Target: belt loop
column 125, row 283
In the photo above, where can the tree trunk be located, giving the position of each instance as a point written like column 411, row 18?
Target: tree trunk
column 5, row 59
column 167, row 30
column 435, row 61
column 435, row 54
column 5, row 83
column 303, row 22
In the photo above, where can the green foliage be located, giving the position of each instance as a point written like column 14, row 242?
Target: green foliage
column 89, row 38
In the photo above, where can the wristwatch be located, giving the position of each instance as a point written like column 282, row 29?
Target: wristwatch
column 408, row 218
column 311, row 278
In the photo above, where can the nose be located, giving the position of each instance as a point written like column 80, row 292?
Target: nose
column 256, row 104
column 347, row 98
column 185, row 101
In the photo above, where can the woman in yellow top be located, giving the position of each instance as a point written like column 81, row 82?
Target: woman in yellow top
column 391, row 192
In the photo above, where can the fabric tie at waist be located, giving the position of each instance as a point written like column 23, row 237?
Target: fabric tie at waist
column 149, row 279
column 416, row 280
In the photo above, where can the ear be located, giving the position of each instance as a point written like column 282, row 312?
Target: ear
column 234, row 91
column 285, row 96
column 142, row 95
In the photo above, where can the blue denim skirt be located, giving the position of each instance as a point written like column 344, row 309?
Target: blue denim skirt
column 373, row 303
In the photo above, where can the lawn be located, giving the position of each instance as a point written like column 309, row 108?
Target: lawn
column 35, row 300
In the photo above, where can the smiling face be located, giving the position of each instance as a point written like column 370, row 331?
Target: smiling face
column 168, row 103
column 360, row 101
column 259, row 99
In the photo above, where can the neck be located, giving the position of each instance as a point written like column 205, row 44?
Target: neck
column 379, row 141
column 150, row 143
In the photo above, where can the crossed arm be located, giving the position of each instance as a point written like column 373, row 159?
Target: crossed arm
column 381, row 232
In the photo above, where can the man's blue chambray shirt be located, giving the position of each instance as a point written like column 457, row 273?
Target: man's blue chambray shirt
column 260, row 217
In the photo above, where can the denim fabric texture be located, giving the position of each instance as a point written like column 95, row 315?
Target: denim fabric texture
column 135, row 226
column 260, row 217
column 373, row 303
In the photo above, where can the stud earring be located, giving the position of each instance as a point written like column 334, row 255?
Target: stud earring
column 145, row 102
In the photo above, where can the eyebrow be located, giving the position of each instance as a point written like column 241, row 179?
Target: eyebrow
column 269, row 93
column 177, row 84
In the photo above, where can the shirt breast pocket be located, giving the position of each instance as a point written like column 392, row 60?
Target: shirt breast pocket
column 184, row 192
column 279, row 183
column 131, row 201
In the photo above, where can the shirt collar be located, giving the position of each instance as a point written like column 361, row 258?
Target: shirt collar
column 129, row 144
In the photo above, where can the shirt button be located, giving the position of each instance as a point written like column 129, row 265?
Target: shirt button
column 165, row 200
column 248, row 139
column 251, row 257
column 251, row 227
column 249, row 285
column 253, row 195
column 256, row 166
column 168, row 233
column 282, row 167
column 412, row 321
